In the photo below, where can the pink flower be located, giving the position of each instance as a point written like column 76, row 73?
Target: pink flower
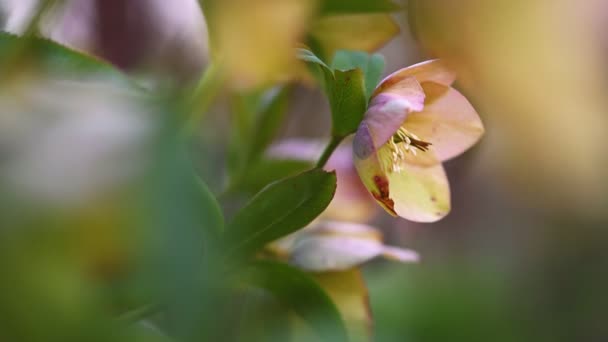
column 414, row 122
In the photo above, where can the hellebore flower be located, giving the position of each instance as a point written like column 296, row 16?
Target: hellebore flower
column 414, row 122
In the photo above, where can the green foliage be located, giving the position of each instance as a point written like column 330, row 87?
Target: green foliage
column 300, row 293
column 333, row 7
column 347, row 101
column 269, row 118
column 371, row 65
column 54, row 59
column 177, row 260
column 257, row 118
column 345, row 91
column 266, row 171
column 281, row 208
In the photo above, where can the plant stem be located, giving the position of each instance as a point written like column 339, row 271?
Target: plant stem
column 329, row 149
column 140, row 313
column 207, row 89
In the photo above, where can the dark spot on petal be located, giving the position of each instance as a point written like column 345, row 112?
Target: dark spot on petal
column 434, row 199
column 383, row 194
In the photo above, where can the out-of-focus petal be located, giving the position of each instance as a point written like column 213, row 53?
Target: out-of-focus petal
column 334, row 253
column 400, row 254
column 428, row 71
column 256, row 39
column 335, row 245
column 364, row 32
column 420, row 194
column 448, row 121
column 348, row 291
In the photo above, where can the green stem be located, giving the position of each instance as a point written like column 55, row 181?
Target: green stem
column 140, row 313
column 329, row 149
column 207, row 89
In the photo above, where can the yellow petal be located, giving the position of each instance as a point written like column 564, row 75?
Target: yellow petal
column 348, row 291
column 365, row 32
column 371, row 174
column 420, row 194
column 448, row 121
column 429, row 71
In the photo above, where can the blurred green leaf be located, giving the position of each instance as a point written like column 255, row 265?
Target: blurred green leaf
column 371, row 65
column 257, row 116
column 300, row 293
column 331, row 7
column 269, row 121
column 260, row 317
column 347, row 101
column 54, row 59
column 184, row 220
column 266, row 171
column 281, row 208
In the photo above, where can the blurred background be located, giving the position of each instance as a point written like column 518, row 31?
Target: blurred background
column 523, row 256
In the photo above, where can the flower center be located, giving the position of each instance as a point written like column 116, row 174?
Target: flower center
column 401, row 143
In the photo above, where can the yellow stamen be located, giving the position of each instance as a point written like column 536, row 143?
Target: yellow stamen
column 393, row 153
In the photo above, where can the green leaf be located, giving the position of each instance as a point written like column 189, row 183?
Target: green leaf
column 280, row 209
column 183, row 221
column 259, row 316
column 310, row 57
column 333, row 7
column 320, row 71
column 300, row 293
column 345, row 91
column 53, row 58
column 371, row 65
column 347, row 101
column 269, row 121
column 266, row 171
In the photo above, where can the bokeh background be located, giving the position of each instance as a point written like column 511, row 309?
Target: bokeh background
column 522, row 257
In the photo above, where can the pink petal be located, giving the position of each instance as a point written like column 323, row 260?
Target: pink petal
column 387, row 112
column 448, row 121
column 428, row 71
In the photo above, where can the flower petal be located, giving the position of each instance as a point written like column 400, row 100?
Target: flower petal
column 428, row 71
column 369, row 169
column 387, row 112
column 348, row 291
column 400, row 254
column 336, row 246
column 448, row 121
column 420, row 194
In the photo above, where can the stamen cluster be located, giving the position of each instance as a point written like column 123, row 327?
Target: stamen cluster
column 401, row 143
